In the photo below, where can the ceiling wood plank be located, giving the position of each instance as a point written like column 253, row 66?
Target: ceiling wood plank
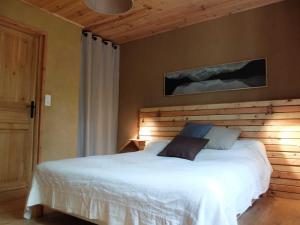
column 148, row 17
column 161, row 25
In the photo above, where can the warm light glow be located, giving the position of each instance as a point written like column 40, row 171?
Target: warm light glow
column 288, row 128
column 145, row 133
column 290, row 141
column 285, row 134
column 145, row 138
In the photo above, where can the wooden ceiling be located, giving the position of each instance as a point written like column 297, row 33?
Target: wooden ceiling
column 147, row 17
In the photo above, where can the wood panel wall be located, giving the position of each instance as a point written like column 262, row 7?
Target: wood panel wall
column 275, row 123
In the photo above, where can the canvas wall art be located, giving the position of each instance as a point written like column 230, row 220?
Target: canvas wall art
column 231, row 76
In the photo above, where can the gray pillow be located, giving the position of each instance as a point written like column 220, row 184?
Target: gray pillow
column 222, row 137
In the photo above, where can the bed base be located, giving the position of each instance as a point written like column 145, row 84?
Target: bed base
column 39, row 210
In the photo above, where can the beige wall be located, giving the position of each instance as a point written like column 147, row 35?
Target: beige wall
column 59, row 122
column 272, row 32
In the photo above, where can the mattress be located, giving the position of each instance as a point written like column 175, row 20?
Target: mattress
column 141, row 188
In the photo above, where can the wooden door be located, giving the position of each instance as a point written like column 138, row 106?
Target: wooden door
column 19, row 55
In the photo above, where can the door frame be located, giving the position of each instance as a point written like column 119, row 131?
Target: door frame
column 40, row 80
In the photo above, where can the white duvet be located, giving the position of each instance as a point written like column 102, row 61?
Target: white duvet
column 141, row 188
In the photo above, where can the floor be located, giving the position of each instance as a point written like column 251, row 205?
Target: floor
column 266, row 211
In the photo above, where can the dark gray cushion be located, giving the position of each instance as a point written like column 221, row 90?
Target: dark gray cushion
column 184, row 147
column 222, row 137
column 195, row 130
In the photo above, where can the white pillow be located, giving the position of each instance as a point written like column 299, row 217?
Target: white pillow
column 156, row 146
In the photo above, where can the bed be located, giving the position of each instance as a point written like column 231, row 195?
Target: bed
column 140, row 188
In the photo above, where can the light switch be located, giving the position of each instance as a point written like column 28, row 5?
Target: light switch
column 47, row 100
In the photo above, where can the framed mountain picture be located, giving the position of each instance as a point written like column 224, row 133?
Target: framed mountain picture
column 231, row 76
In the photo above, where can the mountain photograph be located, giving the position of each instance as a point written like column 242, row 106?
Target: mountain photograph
column 232, row 76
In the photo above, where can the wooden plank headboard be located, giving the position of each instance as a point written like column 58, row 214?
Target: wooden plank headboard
column 275, row 123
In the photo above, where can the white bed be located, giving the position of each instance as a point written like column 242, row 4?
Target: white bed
column 141, row 188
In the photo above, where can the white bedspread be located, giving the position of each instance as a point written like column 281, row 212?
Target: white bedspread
column 143, row 189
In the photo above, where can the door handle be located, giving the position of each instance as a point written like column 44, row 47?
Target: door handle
column 32, row 109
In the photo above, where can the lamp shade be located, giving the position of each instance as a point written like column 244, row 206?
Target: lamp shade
column 109, row 6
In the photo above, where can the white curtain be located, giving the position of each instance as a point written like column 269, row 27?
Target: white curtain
column 99, row 96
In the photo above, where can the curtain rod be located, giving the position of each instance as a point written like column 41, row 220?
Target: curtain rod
column 95, row 36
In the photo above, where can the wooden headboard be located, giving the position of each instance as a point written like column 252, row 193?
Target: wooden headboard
column 275, row 123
